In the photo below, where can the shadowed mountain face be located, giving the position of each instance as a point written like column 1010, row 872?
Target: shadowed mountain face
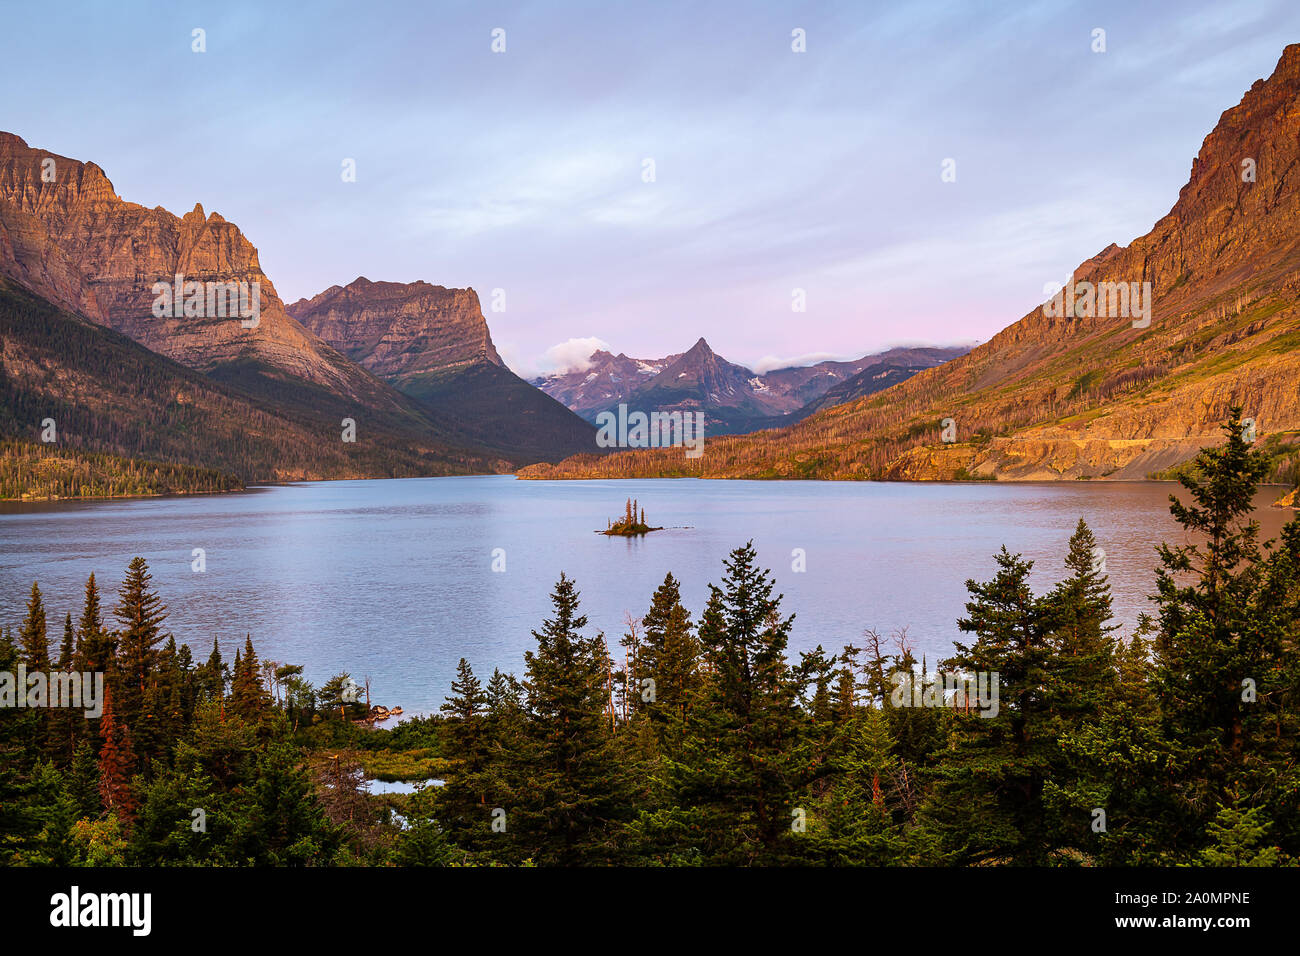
column 433, row 344
column 106, row 393
column 732, row 397
column 68, row 238
column 1090, row 391
column 884, row 371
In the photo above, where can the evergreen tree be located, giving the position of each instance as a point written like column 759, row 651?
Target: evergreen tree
column 68, row 646
column 670, row 656
column 95, row 646
column 32, row 636
column 248, row 698
column 141, row 613
column 743, row 759
column 83, row 781
column 463, row 798
column 1077, row 616
column 1226, row 656
column 18, row 727
column 564, row 778
column 210, row 680
column 988, row 801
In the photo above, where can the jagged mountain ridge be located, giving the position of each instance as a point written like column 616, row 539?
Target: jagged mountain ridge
column 732, row 397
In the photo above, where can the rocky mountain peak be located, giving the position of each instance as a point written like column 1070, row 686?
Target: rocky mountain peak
column 67, row 236
column 400, row 329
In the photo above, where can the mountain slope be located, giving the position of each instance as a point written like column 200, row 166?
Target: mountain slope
column 68, row 237
column 1065, row 396
column 75, row 243
column 109, row 394
column 433, row 344
column 892, row 367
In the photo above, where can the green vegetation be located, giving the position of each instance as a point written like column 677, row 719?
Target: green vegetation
column 709, row 744
column 30, row 470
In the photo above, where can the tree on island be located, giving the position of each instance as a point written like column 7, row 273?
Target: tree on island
column 629, row 524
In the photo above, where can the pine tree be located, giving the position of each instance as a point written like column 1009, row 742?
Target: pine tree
column 988, row 803
column 1082, row 689
column 1078, row 620
column 670, row 656
column 211, row 677
column 68, row 647
column 18, row 727
column 141, row 613
column 65, row 722
column 248, row 699
column 32, row 636
column 859, row 822
column 564, row 777
column 1215, row 631
column 95, row 646
column 83, row 781
column 463, row 798
column 742, row 760
column 1226, row 658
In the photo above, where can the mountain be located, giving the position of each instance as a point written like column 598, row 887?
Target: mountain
column 1068, row 394
column 732, row 397
column 433, row 344
column 66, row 236
column 110, row 395
column 885, row 371
column 605, row 381
column 398, row 329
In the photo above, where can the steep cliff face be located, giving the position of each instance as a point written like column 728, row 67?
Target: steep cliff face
column 66, row 235
column 433, row 345
column 1085, row 392
column 398, row 329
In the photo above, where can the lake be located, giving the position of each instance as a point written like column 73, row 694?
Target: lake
column 394, row 579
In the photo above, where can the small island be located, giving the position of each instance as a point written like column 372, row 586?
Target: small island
column 628, row 525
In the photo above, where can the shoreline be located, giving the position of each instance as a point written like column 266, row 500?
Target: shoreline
column 1285, row 491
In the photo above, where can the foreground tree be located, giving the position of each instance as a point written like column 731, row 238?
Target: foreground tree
column 562, row 774
column 1226, row 655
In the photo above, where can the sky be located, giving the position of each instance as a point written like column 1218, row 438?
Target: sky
column 639, row 175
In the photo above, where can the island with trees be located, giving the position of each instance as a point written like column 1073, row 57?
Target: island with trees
column 630, row 525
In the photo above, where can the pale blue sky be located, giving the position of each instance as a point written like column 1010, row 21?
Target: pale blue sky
column 774, row 170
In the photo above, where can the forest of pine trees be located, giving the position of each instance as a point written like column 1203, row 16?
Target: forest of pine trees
column 707, row 742
column 29, row 470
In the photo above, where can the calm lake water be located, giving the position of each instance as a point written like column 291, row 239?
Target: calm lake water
column 394, row 579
